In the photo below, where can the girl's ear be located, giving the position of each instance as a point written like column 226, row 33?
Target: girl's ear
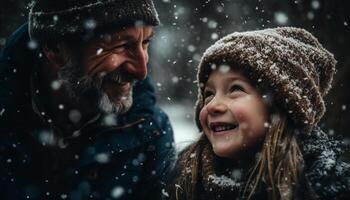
column 56, row 53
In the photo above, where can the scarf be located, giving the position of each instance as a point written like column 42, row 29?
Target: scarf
column 202, row 175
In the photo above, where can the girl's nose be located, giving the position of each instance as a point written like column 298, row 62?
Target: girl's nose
column 216, row 107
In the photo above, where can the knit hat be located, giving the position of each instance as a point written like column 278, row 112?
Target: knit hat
column 288, row 62
column 55, row 18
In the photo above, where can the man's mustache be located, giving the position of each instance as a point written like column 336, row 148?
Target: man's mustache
column 118, row 77
column 80, row 83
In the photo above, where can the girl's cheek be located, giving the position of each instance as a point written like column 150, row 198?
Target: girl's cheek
column 203, row 118
column 238, row 112
column 240, row 116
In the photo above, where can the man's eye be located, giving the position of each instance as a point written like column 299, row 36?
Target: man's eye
column 146, row 43
column 236, row 88
column 120, row 47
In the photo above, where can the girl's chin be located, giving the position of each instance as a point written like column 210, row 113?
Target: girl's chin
column 224, row 153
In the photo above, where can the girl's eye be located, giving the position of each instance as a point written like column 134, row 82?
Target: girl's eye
column 236, row 88
column 208, row 95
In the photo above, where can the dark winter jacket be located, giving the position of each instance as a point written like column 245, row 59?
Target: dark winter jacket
column 216, row 178
column 125, row 159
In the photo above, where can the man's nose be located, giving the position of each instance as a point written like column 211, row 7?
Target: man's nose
column 137, row 67
column 216, row 107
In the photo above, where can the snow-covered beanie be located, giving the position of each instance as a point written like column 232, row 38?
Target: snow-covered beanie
column 288, row 62
column 57, row 18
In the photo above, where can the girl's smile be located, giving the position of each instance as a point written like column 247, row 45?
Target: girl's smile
column 222, row 128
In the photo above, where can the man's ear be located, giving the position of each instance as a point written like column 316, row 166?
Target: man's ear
column 56, row 53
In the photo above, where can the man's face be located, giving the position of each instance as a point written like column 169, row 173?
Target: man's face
column 108, row 67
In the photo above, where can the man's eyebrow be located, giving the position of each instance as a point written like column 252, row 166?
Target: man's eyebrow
column 129, row 37
column 122, row 37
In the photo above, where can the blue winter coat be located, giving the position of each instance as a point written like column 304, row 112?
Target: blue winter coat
column 123, row 161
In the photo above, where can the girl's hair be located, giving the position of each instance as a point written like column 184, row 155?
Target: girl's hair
column 279, row 167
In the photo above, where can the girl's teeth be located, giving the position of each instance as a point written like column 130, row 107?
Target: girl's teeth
column 222, row 128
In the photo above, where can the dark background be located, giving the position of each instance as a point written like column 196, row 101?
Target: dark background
column 189, row 27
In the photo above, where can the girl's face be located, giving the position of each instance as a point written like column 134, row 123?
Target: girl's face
column 234, row 115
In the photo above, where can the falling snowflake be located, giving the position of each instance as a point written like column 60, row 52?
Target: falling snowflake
column 165, row 193
column 224, row 68
column 315, row 4
column 343, row 107
column 117, row 192
column 212, row 24
column 56, row 84
column 2, row 111
column 32, row 44
column 191, row 48
column 74, row 116
column 110, row 120
column 61, row 106
column 90, row 24
column 281, row 18
column 99, row 51
column 214, row 36
column 102, row 158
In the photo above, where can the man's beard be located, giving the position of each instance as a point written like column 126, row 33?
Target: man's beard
column 89, row 88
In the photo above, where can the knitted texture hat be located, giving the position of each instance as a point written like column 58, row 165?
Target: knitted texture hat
column 53, row 18
column 288, row 62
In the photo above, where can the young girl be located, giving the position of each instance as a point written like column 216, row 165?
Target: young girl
column 260, row 98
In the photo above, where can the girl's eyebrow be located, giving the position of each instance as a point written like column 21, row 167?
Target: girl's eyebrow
column 228, row 79
column 236, row 78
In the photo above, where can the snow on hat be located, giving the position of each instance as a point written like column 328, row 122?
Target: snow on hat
column 287, row 61
column 52, row 18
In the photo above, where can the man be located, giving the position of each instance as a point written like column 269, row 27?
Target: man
column 78, row 118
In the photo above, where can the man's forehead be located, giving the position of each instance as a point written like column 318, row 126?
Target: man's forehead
column 129, row 33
